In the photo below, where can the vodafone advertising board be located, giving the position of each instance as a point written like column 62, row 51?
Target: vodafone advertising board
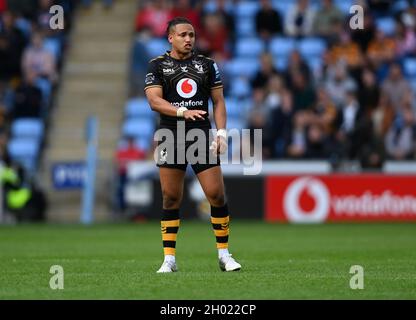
column 317, row 199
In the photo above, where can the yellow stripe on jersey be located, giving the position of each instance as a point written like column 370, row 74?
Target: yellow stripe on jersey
column 154, row 85
column 158, row 57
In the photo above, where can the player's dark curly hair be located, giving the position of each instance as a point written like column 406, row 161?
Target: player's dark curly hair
column 178, row 20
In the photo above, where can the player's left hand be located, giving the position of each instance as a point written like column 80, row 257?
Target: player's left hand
column 219, row 145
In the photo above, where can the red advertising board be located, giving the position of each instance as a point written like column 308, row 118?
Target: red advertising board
column 315, row 199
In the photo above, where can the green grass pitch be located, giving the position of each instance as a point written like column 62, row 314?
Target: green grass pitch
column 279, row 261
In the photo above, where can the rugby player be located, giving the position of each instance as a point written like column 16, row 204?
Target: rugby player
column 178, row 86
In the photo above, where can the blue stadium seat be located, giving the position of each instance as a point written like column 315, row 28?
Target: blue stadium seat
column 138, row 108
column 27, row 128
column 281, row 46
column 240, row 87
column 138, row 128
column 314, row 63
column 283, row 6
column 144, row 143
column 247, row 9
column 409, row 65
column 281, row 63
column 249, row 47
column 400, row 5
column 233, row 107
column 311, row 47
column 157, row 47
column 344, row 5
column 245, row 28
column 24, row 151
column 246, row 67
column 387, row 25
column 23, row 147
column 211, row 5
column 235, row 123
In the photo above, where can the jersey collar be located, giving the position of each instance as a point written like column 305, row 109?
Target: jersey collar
column 187, row 59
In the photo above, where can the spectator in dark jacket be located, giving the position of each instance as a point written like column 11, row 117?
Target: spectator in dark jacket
column 317, row 143
column 28, row 99
column 369, row 91
column 268, row 21
column 12, row 43
column 350, row 122
column 267, row 70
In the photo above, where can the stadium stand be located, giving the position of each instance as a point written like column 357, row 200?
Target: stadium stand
column 31, row 56
column 330, row 93
column 330, row 52
column 293, row 68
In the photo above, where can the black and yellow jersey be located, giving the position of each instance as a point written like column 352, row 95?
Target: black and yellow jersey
column 185, row 83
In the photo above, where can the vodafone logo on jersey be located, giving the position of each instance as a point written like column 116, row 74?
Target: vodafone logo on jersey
column 307, row 200
column 186, row 88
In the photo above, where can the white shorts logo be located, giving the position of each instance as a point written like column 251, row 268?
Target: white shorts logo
column 317, row 190
column 186, row 88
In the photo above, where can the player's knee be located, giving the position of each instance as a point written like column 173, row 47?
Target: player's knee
column 171, row 201
column 216, row 199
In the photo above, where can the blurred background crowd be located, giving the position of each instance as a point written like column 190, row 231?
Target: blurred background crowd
column 31, row 56
column 296, row 69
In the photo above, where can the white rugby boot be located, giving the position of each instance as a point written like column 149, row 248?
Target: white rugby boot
column 168, row 266
column 227, row 263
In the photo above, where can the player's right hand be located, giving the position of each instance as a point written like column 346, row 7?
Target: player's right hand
column 194, row 114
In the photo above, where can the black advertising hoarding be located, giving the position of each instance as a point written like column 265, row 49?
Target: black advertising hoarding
column 245, row 189
column 245, row 197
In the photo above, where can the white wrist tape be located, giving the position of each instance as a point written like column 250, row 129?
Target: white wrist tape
column 222, row 133
column 180, row 111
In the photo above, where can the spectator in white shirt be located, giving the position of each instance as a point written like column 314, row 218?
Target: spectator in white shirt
column 299, row 19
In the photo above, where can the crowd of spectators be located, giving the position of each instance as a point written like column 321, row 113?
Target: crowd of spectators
column 31, row 54
column 30, row 59
column 356, row 103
